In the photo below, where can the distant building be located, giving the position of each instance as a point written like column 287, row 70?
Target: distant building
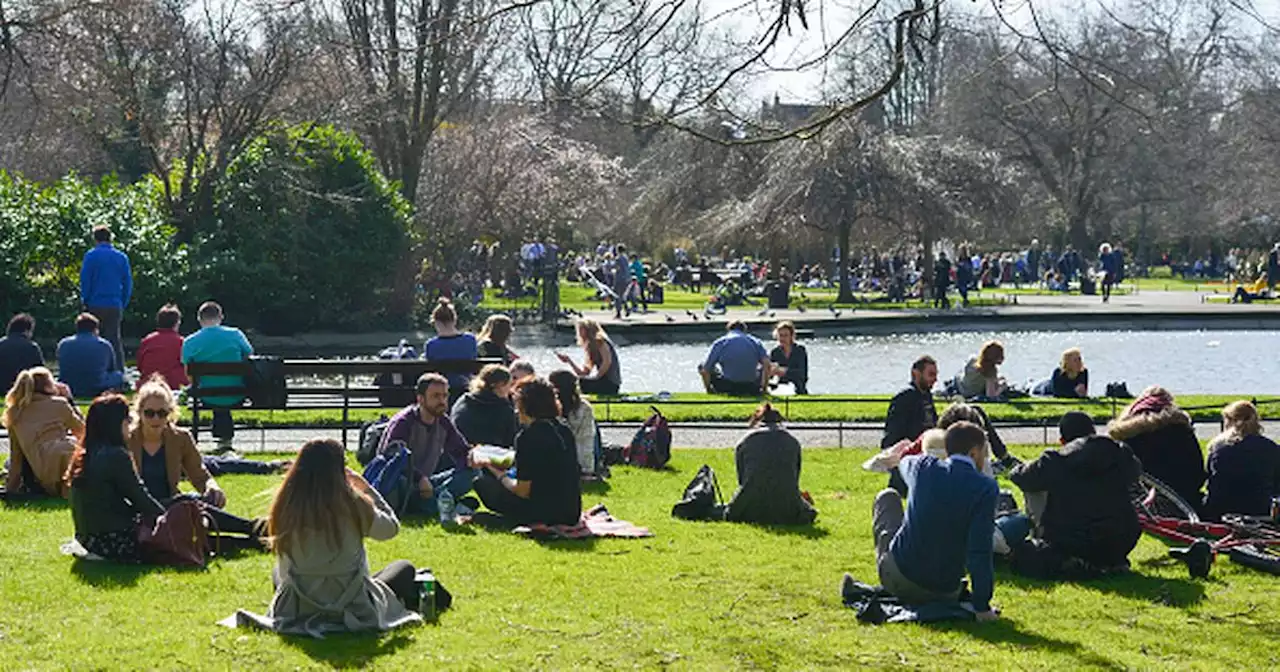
column 782, row 116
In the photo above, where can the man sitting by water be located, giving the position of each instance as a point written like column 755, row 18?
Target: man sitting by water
column 737, row 364
column 1078, row 499
column 922, row 553
column 440, row 455
column 912, row 410
column 87, row 362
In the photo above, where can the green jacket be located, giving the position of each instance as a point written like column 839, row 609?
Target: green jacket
column 109, row 496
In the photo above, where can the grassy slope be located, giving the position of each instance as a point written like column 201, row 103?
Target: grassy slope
column 696, row 596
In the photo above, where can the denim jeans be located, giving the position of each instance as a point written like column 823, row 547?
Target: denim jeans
column 457, row 481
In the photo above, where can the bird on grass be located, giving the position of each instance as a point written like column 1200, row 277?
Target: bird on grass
column 763, row 312
column 801, row 309
column 669, row 318
column 772, row 313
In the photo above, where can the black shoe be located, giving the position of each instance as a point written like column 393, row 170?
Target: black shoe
column 1198, row 558
column 469, row 502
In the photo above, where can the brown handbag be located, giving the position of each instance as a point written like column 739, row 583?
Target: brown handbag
column 177, row 537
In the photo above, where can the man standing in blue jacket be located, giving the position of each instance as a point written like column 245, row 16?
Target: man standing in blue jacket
column 106, row 284
column 922, row 554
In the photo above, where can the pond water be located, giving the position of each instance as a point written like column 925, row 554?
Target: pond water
column 1186, row 362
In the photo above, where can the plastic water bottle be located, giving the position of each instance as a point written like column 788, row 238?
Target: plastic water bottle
column 448, row 508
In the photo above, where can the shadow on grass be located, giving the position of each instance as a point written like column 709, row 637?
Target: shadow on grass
column 349, row 650
column 1154, row 589
column 35, row 503
column 1005, row 631
column 806, row 531
column 595, row 487
column 109, row 575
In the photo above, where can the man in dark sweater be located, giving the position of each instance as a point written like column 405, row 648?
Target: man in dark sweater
column 922, row 553
column 1078, row 497
column 18, row 352
column 911, row 412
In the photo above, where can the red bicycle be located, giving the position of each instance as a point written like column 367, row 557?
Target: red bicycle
column 1251, row 541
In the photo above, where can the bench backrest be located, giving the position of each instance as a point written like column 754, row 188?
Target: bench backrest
column 409, row 369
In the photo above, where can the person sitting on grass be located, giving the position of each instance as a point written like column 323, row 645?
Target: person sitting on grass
column 981, row 375
column 1078, row 498
column 87, row 362
column 1244, row 466
column 521, row 370
column 912, row 411
column 737, row 363
column 161, row 351
column 317, row 524
column 108, row 501
column 18, row 349
column 494, row 337
column 923, row 552
column 1163, row 439
column 484, row 415
column 546, row 487
column 1071, row 379
column 790, row 359
column 601, row 373
column 440, row 455
column 579, row 416
column 163, row 454
column 997, row 455
column 450, row 344
column 44, row 427
column 768, row 465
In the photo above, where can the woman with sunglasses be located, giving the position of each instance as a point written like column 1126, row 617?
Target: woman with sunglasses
column 163, row 454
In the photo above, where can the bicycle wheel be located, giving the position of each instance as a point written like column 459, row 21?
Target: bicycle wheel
column 1260, row 557
column 1157, row 500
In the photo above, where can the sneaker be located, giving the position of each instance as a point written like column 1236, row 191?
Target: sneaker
column 224, row 447
column 469, row 502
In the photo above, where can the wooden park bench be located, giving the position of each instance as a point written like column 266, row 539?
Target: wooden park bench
column 300, row 395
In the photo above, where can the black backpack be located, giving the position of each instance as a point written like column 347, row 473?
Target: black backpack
column 393, row 390
column 370, row 439
column 266, row 385
column 701, row 500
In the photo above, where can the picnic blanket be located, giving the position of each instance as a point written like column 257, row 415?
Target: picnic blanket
column 877, row 606
column 595, row 522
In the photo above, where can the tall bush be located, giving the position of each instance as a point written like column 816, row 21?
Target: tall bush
column 306, row 234
column 46, row 229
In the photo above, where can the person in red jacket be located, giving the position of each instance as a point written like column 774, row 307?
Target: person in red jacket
column 161, row 350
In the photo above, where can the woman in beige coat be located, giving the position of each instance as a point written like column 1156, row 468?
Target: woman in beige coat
column 44, row 427
column 317, row 524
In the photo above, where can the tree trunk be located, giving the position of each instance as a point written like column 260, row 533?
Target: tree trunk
column 1078, row 230
column 846, row 291
column 926, row 273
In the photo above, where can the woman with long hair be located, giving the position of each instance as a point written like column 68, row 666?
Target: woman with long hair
column 1244, row 466
column 1163, row 439
column 318, row 521
column 601, row 373
column 578, row 414
column 981, row 375
column 768, row 465
column 164, row 453
column 450, row 344
column 484, row 414
column 108, row 502
column 546, row 487
column 1071, row 379
column 44, row 427
column 495, row 337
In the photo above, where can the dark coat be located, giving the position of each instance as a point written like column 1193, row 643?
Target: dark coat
column 768, row 462
column 1089, row 514
column 1244, row 474
column 1168, row 448
column 108, row 496
column 485, row 417
column 910, row 413
column 17, row 354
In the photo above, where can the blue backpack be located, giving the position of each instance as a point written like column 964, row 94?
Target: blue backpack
column 390, row 477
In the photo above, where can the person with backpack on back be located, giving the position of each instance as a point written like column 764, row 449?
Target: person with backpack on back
column 439, row 455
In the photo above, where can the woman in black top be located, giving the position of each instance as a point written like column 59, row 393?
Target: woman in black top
column 1244, row 466
column 107, row 499
column 493, row 339
column 602, row 372
column 790, row 359
column 1071, row 379
column 546, row 487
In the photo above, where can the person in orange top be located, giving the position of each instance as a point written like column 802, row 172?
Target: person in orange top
column 161, row 351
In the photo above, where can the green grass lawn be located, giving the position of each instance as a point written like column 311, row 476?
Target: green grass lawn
column 813, row 408
column 696, row 596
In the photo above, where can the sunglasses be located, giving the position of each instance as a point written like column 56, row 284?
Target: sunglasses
column 154, row 413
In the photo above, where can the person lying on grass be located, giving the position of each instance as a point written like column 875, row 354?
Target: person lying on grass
column 108, row 501
column 440, row 455
column 44, row 427
column 1078, row 503
column 546, row 487
column 923, row 552
column 768, row 464
column 164, row 453
column 318, row 522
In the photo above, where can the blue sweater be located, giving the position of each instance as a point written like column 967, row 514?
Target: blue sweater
column 106, row 280
column 948, row 525
column 84, row 361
